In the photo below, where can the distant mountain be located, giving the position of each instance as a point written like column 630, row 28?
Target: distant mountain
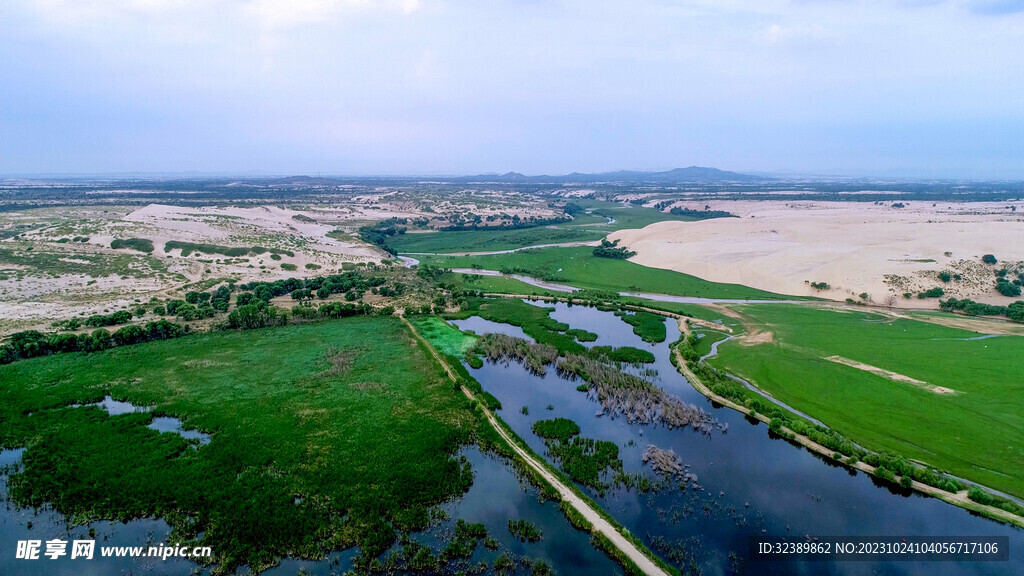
column 301, row 181
column 692, row 174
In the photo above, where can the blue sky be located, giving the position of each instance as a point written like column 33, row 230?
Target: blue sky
column 857, row 87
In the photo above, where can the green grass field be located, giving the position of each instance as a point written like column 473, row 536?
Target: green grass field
column 976, row 433
column 580, row 268
column 443, row 336
column 324, row 436
column 584, row 227
column 490, row 240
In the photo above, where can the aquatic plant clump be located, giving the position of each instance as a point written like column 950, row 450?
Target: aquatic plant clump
column 502, row 348
column 619, row 393
column 664, row 462
column 639, row 401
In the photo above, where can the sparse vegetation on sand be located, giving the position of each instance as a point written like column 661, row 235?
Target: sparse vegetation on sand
column 190, row 247
column 268, row 484
column 592, row 220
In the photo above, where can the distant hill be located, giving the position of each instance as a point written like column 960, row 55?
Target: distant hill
column 690, row 174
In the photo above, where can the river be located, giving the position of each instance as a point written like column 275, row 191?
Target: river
column 751, row 484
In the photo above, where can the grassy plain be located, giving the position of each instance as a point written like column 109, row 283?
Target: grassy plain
column 584, row 227
column 324, row 436
column 976, row 432
column 580, row 268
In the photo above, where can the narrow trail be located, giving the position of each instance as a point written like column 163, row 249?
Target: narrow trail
column 598, row 523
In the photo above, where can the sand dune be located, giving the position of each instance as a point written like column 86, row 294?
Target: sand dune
column 855, row 247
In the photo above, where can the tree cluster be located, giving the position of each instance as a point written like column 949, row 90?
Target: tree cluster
column 32, row 343
column 612, row 250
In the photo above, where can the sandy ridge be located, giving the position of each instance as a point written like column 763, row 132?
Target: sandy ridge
column 855, row 247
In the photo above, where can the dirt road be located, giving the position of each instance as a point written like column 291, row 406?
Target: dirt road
column 599, row 524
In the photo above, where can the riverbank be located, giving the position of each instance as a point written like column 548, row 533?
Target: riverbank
column 598, row 523
column 959, row 499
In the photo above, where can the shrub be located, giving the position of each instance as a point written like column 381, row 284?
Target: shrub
column 979, row 495
column 1007, row 288
column 989, row 259
column 139, row 244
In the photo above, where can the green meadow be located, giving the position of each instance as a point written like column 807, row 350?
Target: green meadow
column 578, row 267
column 446, row 338
column 324, row 436
column 976, row 432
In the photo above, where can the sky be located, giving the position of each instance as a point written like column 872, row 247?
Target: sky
column 916, row 88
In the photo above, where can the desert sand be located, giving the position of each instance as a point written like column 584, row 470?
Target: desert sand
column 855, row 247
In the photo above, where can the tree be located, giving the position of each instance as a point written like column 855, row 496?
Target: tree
column 98, row 340
column 989, row 259
column 129, row 335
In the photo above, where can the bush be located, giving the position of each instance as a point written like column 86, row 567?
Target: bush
column 99, row 320
column 140, row 244
column 1007, row 288
column 978, row 495
column 989, row 259
column 936, row 292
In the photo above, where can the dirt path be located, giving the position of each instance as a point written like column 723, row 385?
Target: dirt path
column 599, row 524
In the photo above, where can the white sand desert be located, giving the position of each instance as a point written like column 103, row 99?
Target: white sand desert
column 855, row 247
